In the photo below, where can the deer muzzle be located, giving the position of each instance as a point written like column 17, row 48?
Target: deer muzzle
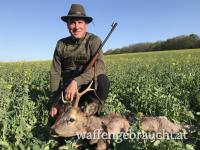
column 52, row 132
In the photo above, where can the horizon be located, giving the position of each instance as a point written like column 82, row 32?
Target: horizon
column 128, row 53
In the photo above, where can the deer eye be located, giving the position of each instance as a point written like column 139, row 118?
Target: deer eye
column 71, row 119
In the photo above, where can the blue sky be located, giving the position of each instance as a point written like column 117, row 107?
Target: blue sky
column 29, row 30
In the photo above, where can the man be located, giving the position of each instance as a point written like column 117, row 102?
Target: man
column 71, row 55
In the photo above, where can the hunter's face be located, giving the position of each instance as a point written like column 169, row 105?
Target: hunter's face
column 77, row 27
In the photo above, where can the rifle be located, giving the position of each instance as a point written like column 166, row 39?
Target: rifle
column 94, row 58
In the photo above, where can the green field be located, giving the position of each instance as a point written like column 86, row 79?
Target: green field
column 154, row 83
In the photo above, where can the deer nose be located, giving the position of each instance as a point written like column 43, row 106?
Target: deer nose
column 53, row 133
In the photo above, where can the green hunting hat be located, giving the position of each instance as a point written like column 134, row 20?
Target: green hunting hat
column 77, row 11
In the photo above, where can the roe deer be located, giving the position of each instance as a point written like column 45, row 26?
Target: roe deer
column 75, row 122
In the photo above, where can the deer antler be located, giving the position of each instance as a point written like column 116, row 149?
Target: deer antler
column 62, row 97
column 79, row 94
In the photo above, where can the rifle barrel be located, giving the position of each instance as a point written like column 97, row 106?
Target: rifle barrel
column 112, row 29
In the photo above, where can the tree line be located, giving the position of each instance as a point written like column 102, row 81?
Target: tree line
column 180, row 42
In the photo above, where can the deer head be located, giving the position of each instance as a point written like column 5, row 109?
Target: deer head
column 72, row 120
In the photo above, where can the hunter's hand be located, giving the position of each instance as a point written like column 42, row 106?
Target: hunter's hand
column 70, row 91
column 54, row 110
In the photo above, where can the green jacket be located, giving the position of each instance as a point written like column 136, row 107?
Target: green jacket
column 70, row 55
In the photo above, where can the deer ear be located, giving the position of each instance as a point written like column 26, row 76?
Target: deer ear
column 91, row 109
column 86, row 112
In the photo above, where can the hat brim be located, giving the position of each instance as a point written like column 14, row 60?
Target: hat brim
column 86, row 18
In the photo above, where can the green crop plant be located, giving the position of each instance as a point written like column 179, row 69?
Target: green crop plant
column 154, row 84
